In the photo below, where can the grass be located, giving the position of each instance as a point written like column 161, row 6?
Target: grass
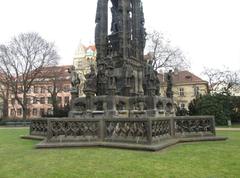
column 19, row 159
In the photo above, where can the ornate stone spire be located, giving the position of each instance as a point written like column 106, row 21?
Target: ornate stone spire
column 124, row 45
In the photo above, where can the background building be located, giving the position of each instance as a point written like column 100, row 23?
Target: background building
column 53, row 80
column 186, row 87
column 84, row 57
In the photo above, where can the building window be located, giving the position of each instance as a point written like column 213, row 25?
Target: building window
column 50, row 89
column 181, row 92
column 20, row 100
column 13, row 101
column 35, row 112
column 35, row 89
column 28, row 100
column 49, row 100
column 66, row 88
column 59, row 100
column 66, row 100
column 20, row 89
column 42, row 112
column 35, row 100
column 196, row 91
column 19, row 112
column 42, row 89
column 12, row 112
column 49, row 111
column 29, row 91
column 42, row 100
column 28, row 112
column 182, row 106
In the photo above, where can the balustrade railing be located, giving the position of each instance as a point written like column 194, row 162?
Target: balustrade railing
column 140, row 131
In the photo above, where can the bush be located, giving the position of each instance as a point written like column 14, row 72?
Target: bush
column 59, row 112
column 181, row 112
column 219, row 105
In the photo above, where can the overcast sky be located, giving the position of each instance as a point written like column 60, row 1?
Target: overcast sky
column 208, row 31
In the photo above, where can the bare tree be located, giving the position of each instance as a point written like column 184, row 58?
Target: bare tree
column 57, row 77
column 4, row 94
column 22, row 60
column 223, row 81
column 163, row 55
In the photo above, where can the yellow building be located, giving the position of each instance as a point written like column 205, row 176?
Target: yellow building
column 186, row 87
column 84, row 57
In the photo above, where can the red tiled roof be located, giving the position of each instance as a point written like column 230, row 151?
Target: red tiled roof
column 60, row 71
column 92, row 47
column 182, row 77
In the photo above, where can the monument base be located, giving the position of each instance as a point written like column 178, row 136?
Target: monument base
column 154, row 147
column 150, row 134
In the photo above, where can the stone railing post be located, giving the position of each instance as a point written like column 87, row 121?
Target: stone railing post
column 102, row 129
column 30, row 130
column 213, row 125
column 149, row 131
column 49, row 130
column 172, row 126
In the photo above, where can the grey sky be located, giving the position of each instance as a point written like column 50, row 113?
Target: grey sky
column 208, row 31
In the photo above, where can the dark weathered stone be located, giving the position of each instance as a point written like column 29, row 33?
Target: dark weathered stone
column 122, row 107
column 132, row 133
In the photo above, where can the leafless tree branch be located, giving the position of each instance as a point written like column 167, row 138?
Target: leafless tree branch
column 21, row 62
column 165, row 56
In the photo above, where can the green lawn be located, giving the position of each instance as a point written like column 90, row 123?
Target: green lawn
column 19, row 159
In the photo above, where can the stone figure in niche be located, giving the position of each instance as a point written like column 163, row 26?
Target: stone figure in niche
column 157, row 83
column 115, row 16
column 111, row 85
column 91, row 80
column 102, row 80
column 75, row 80
column 150, row 75
column 169, row 78
column 128, row 72
column 81, row 85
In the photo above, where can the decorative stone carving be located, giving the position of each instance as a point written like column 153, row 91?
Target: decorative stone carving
column 73, row 128
column 161, row 128
column 38, row 127
column 151, row 80
column 126, row 129
column 194, row 125
column 75, row 80
column 119, row 114
column 169, row 92
column 91, row 81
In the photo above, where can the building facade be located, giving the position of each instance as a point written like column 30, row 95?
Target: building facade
column 84, row 57
column 186, row 87
column 39, row 97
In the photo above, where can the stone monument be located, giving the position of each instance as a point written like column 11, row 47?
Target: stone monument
column 122, row 107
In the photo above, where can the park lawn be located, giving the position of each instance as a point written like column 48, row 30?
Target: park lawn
column 19, row 159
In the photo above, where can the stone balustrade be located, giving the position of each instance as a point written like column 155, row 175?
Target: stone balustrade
column 122, row 130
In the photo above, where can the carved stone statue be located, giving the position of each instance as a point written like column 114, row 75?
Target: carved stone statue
column 75, row 80
column 157, row 83
column 115, row 17
column 169, row 92
column 91, row 81
column 128, row 73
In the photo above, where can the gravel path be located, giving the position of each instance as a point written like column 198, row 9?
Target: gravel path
column 228, row 129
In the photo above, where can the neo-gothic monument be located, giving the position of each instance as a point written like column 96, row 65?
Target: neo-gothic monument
column 122, row 107
column 125, row 84
column 123, row 48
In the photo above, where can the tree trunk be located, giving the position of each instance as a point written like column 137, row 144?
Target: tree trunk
column 5, row 108
column 24, row 106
